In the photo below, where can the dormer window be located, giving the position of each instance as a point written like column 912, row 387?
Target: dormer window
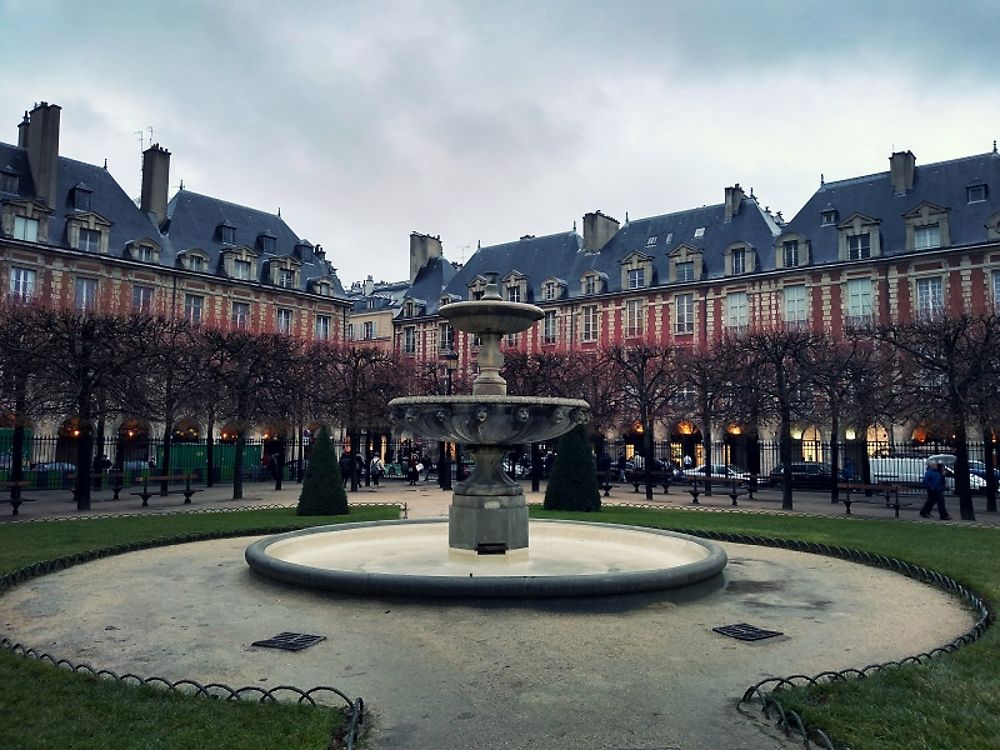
column 226, row 233
column 409, row 309
column 859, row 246
column 927, row 227
column 286, row 278
column 669, row 238
column 859, row 238
column 651, row 241
column 81, row 197
column 975, row 193
column 828, row 218
column 196, row 263
column 266, row 242
column 514, row 294
column 90, row 240
column 637, row 278
column 25, row 229
column 142, row 253
column 242, row 270
column 739, row 258
column 9, row 180
column 371, row 304
column 590, row 285
column 549, row 292
column 927, row 237
column 790, row 253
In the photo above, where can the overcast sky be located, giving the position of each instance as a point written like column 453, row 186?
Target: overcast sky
column 484, row 121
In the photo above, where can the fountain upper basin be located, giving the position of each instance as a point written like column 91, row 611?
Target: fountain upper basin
column 412, row 558
column 489, row 420
column 491, row 316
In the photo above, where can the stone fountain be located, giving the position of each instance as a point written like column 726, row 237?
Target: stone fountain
column 488, row 513
column 483, row 550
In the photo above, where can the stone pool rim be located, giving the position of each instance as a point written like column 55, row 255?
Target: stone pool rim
column 492, row 587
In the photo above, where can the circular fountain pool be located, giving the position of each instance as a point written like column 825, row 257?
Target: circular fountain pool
column 412, row 558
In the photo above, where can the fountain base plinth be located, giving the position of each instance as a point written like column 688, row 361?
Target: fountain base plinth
column 483, row 521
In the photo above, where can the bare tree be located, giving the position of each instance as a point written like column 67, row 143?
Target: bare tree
column 704, row 378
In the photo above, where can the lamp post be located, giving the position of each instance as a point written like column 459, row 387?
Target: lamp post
column 444, row 472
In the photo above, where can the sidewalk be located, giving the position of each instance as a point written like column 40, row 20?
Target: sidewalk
column 427, row 500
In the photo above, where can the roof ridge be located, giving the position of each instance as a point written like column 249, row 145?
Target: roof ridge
column 885, row 173
column 228, row 203
column 532, row 238
column 682, row 211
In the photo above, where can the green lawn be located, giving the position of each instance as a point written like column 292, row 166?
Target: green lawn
column 953, row 703
column 46, row 708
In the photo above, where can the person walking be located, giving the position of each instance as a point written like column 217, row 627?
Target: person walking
column 621, row 466
column 934, row 484
column 346, row 467
column 376, row 470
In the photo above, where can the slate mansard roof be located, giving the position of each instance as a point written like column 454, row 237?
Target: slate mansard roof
column 941, row 184
column 562, row 257
column 192, row 220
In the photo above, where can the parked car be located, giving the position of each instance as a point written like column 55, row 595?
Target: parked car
column 806, row 475
column 719, row 470
column 54, row 466
column 977, row 482
column 978, row 468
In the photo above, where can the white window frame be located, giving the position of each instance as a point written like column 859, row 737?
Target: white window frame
column 286, row 278
column 323, row 323
column 549, row 327
column 368, row 330
column 242, row 269
column 446, row 337
column 22, row 283
column 194, row 307
column 590, row 285
column 142, row 298
column 88, row 240
column 196, row 263
column 737, row 312
column 859, row 302
column 636, row 278
column 650, row 241
column 996, row 289
column 684, row 313
column 410, row 340
column 859, row 246
column 929, row 297
column 796, row 304
column 85, row 294
column 240, row 314
column 26, row 228
column 588, row 327
column 927, row 237
column 790, row 254
column 514, row 294
column 285, row 319
column 739, row 260
column 634, row 314
column 682, row 268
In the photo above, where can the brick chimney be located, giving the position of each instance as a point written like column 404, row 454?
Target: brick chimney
column 901, row 167
column 22, row 131
column 734, row 198
column 423, row 249
column 41, row 138
column 598, row 230
column 155, row 181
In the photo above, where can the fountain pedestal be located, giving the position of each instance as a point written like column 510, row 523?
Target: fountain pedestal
column 488, row 512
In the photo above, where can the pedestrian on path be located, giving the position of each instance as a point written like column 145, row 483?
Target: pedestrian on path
column 934, row 484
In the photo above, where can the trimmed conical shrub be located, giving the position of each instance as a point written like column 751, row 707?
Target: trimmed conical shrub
column 323, row 491
column 573, row 480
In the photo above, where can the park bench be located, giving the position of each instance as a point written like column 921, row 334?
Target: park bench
column 145, row 494
column 15, row 493
column 889, row 493
column 659, row 478
column 737, row 487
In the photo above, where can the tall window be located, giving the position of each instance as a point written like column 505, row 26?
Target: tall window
column 25, row 229
column 446, row 337
column 513, row 294
column 409, row 340
column 685, row 271
column 859, row 246
column 241, row 314
column 737, row 312
column 795, row 305
column 350, row 331
column 550, row 290
column 996, row 289
column 284, row 320
column 684, row 313
column 739, row 261
column 22, row 283
column 633, row 317
column 549, row 327
column 85, row 295
column 859, row 302
column 930, row 297
column 90, row 240
column 790, row 251
column 368, row 329
column 927, row 238
column 590, row 285
column 142, row 298
column 322, row 327
column 143, row 253
column 193, row 306
column 637, row 278
column 196, row 263
column 241, row 269
column 589, row 331
column 286, row 278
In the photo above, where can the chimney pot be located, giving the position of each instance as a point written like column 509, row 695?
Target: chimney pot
column 734, row 198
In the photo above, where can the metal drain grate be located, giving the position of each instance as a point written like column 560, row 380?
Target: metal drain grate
column 744, row 632
column 290, row 641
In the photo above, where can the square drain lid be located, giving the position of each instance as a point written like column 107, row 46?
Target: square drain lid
column 290, row 641
column 744, row 632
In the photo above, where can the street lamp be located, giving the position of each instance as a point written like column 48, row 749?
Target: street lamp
column 450, row 365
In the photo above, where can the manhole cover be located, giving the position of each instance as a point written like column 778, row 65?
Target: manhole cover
column 744, row 632
column 290, row 641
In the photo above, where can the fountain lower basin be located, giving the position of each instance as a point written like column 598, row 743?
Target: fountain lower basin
column 412, row 558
